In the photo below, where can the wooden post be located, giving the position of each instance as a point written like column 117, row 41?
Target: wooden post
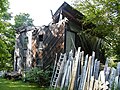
column 92, row 64
column 112, row 77
column 83, row 75
column 88, row 73
column 95, row 66
column 74, row 71
column 97, row 69
column 96, row 87
column 69, row 74
column 65, row 73
column 91, row 83
column 82, row 60
column 101, row 79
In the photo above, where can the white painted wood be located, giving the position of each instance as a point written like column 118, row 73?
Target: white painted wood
column 106, row 65
column 118, row 69
column 83, row 79
column 87, row 79
column 112, row 77
column 82, row 60
column 91, row 83
column 69, row 76
column 102, row 77
column 107, row 73
column 67, row 80
column 88, row 73
column 64, row 76
column 92, row 64
column 74, row 72
column 96, row 85
column 97, row 70
column 116, row 83
column 95, row 66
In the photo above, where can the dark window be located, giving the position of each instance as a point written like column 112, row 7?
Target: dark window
column 25, row 42
column 16, row 63
column 40, row 37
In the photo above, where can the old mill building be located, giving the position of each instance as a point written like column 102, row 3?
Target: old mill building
column 37, row 46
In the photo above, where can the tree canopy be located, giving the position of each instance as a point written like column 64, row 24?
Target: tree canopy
column 105, row 15
column 23, row 19
column 6, row 36
column 7, row 33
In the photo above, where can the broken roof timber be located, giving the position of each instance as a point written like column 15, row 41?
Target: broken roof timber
column 67, row 11
column 72, row 15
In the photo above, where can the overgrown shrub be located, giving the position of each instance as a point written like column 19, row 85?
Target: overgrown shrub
column 36, row 75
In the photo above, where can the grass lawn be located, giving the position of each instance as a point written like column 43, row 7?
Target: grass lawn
column 17, row 85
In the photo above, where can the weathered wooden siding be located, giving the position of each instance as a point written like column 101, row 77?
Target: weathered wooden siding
column 37, row 47
column 23, row 46
column 53, row 42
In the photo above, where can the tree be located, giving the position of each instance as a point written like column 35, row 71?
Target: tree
column 105, row 15
column 23, row 19
column 6, row 36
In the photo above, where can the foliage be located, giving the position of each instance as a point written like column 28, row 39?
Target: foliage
column 114, row 86
column 6, row 36
column 39, row 76
column 105, row 15
column 92, row 43
column 23, row 19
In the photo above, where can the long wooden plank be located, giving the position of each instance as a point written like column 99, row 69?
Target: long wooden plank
column 82, row 60
column 92, row 64
column 95, row 66
column 65, row 73
column 83, row 75
column 88, row 73
column 74, row 71
column 91, row 83
column 112, row 77
column 97, row 70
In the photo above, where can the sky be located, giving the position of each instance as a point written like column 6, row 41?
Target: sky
column 39, row 10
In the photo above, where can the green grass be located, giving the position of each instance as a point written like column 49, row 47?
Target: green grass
column 18, row 85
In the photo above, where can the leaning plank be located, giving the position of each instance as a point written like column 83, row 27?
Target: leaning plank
column 83, row 75
column 107, row 73
column 97, row 69
column 64, row 76
column 118, row 73
column 96, row 87
column 118, row 69
column 95, row 66
column 88, row 73
column 68, row 77
column 101, row 79
column 112, row 77
column 116, row 83
column 74, row 71
column 82, row 60
column 91, row 83
column 92, row 64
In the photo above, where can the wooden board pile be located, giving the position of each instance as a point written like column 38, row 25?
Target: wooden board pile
column 83, row 73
